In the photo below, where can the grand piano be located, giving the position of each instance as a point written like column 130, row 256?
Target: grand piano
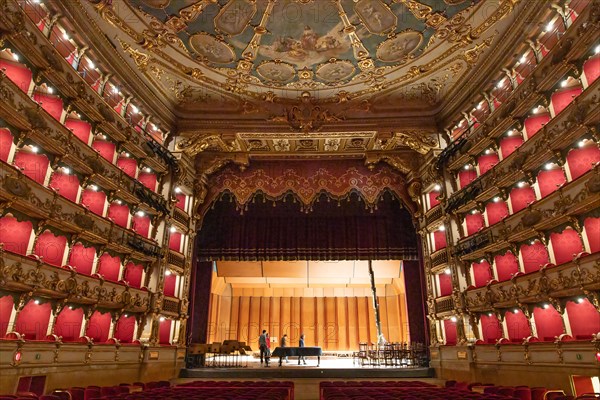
column 282, row 352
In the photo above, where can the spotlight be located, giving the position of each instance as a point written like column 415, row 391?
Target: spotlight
column 521, row 184
column 119, row 202
column 564, row 83
column 126, row 155
column 35, row 149
column 91, row 64
column 549, row 26
column 36, row 301
column 500, row 84
column 597, row 49
column 115, row 90
column 481, row 261
column 50, row 90
column 523, row 59
column 66, row 170
column 162, row 319
column 581, row 143
column 135, row 109
column 516, row 311
column 94, row 188
column 103, row 137
column 479, row 106
column 177, row 190
column 487, row 151
column 497, row 199
column 468, row 166
column 70, row 307
column 510, row 132
column 549, row 166
column 126, row 315
column 442, row 228
column 490, row 314
column 536, row 109
column 546, row 306
column 140, row 213
column 66, row 36
column 473, row 212
column 148, row 169
column 15, row 56
column 437, row 187
column 447, row 271
column 168, row 272
column 580, row 300
column 172, row 229
column 453, row 319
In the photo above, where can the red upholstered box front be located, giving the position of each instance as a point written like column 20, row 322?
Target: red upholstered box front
column 466, row 176
column 148, row 179
column 180, row 201
column 109, row 267
column 68, row 324
column 94, row 200
column 445, row 281
column 52, row 104
column 19, row 74
column 80, row 129
column 534, row 256
column 33, row 165
column 474, row 222
column 170, row 282
column 6, row 308
column 133, row 274
column 487, row 162
column 491, row 328
column 582, row 160
column 433, row 199
column 520, row 198
column 450, row 332
column 562, row 98
column 119, row 213
column 496, row 211
column 106, row 149
column 517, row 326
column 534, row 123
column 6, row 142
column 98, row 327
column 175, row 241
column 50, row 248
column 141, row 225
column 565, row 245
column 550, row 181
column 506, row 266
column 164, row 332
column 591, row 69
column 548, row 323
column 584, row 319
column 509, row 144
column 15, row 235
column 125, row 328
column 439, row 239
column 66, row 185
column 481, row 273
column 33, row 320
column 592, row 231
column 82, row 258
column 128, row 165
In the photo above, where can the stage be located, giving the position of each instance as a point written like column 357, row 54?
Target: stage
column 330, row 368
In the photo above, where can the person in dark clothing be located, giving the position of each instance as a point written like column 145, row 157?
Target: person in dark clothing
column 301, row 344
column 262, row 345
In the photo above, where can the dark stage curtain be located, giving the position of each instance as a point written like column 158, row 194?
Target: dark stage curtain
column 332, row 230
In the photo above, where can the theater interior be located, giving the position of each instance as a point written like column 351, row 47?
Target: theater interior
column 409, row 190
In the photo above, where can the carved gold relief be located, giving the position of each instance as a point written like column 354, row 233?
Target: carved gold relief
column 235, row 16
column 335, row 70
column 376, row 16
column 399, row 47
column 212, row 49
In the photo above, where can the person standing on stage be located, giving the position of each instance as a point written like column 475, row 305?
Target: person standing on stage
column 301, row 344
column 268, row 350
column 262, row 345
column 284, row 340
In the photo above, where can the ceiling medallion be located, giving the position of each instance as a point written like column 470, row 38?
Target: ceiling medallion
column 398, row 47
column 376, row 16
column 335, row 70
column 235, row 16
column 276, row 71
column 212, row 49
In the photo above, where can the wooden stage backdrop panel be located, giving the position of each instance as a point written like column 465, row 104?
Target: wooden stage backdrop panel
column 334, row 323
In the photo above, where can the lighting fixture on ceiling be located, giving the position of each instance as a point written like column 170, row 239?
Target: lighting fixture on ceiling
column 447, row 271
column 437, row 187
column 35, row 149
column 15, row 57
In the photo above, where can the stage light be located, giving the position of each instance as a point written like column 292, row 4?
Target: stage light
column 473, row 212
column 481, row 261
column 115, row 90
column 490, row 314
column 536, row 109
column 510, row 132
column 447, row 271
column 70, row 307
column 126, row 154
column 119, row 202
column 126, row 315
column 437, row 187
column 487, row 151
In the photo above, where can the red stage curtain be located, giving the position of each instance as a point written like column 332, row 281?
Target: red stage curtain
column 33, row 165
column 52, row 104
column 66, row 185
column 592, row 232
column 445, row 284
column 119, row 213
column 496, row 212
column 439, row 240
column 509, row 144
column 584, row 319
column 481, row 273
column 506, row 266
column 548, row 323
column 15, row 235
column 133, row 275
column 68, row 324
column 51, row 248
column 550, row 181
column 98, row 327
column 141, row 225
column 165, row 332
column 491, row 328
column 534, row 256
column 520, row 198
column 562, row 98
column 128, row 165
column 80, row 128
column 534, row 123
column 148, row 179
column 582, row 160
column 517, row 326
column 6, row 307
column 565, row 245
column 474, row 223
column 433, row 199
column 175, row 241
column 18, row 73
column 109, row 267
column 180, row 199
column 466, row 176
column 6, row 142
column 82, row 258
column 591, row 69
column 170, row 282
column 94, row 200
column 450, row 331
column 124, row 329
column 106, row 149
column 33, row 320
column 487, row 162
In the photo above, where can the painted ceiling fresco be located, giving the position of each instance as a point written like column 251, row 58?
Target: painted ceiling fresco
column 286, row 38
